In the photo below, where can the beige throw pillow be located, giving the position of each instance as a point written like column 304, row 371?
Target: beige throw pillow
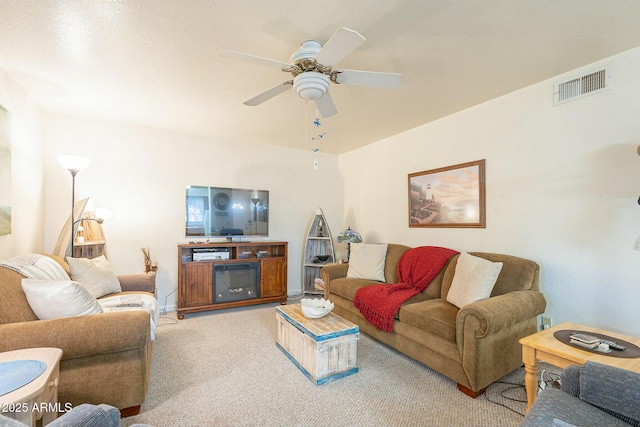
column 473, row 280
column 51, row 299
column 366, row 261
column 95, row 275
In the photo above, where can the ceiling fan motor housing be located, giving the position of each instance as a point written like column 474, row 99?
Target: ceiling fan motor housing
column 311, row 85
column 308, row 50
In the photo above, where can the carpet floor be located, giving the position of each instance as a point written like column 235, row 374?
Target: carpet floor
column 222, row 368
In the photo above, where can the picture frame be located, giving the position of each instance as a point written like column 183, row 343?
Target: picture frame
column 452, row 196
column 5, row 171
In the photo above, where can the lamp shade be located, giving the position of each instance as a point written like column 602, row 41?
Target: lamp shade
column 103, row 213
column 349, row 236
column 73, row 163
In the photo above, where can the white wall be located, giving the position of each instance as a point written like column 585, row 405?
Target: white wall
column 140, row 174
column 562, row 187
column 27, row 202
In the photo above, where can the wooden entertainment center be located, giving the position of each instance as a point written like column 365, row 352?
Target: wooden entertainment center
column 213, row 276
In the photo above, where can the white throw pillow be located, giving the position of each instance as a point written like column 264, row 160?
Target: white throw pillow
column 95, row 275
column 473, row 280
column 366, row 261
column 51, row 299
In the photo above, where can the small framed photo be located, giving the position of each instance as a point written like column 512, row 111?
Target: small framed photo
column 453, row 196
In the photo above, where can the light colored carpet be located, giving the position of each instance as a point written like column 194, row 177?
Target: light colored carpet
column 222, row 368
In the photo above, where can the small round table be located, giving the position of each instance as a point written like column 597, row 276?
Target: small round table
column 39, row 397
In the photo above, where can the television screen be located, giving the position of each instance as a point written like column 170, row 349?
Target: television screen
column 226, row 212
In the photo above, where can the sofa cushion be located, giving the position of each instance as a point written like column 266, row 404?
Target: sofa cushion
column 435, row 316
column 95, row 275
column 367, row 261
column 51, row 299
column 394, row 253
column 473, row 280
column 347, row 288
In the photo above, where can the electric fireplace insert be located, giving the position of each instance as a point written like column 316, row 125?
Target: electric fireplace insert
column 236, row 281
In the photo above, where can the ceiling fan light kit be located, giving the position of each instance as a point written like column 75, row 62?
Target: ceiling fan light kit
column 311, row 85
column 312, row 69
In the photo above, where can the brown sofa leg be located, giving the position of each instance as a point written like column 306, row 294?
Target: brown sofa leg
column 470, row 392
column 129, row 412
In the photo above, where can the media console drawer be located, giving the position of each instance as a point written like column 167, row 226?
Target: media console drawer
column 323, row 349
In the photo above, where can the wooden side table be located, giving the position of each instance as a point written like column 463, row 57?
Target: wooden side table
column 39, row 398
column 543, row 346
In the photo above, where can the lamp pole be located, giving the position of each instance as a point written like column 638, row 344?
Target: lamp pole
column 73, row 164
column 73, row 172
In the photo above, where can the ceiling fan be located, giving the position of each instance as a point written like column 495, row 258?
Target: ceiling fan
column 312, row 69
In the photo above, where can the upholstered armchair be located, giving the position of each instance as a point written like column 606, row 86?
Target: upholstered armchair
column 85, row 415
column 590, row 395
column 106, row 356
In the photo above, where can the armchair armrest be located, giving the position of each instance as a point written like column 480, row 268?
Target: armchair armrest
column 138, row 282
column 81, row 336
column 570, row 380
column 614, row 390
column 497, row 313
column 87, row 414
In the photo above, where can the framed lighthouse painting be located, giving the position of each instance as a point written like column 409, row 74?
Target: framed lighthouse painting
column 452, row 196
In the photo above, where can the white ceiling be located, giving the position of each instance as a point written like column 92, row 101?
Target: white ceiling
column 157, row 63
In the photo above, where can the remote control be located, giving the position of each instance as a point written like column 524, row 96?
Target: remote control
column 614, row 345
column 587, row 339
column 584, row 344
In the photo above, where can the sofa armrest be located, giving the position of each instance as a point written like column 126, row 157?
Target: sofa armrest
column 81, row 336
column 497, row 313
column 333, row 271
column 330, row 272
column 145, row 282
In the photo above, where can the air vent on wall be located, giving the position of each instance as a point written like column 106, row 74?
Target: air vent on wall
column 582, row 86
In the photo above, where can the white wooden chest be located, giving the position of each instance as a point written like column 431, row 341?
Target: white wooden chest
column 323, row 349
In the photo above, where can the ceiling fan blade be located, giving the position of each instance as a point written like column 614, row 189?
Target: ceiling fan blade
column 254, row 59
column 368, row 78
column 339, row 46
column 326, row 106
column 268, row 94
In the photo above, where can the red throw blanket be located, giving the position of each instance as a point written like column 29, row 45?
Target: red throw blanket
column 416, row 269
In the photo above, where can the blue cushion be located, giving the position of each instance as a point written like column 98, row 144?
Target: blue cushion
column 613, row 389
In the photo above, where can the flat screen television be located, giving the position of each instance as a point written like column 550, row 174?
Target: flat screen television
column 226, row 212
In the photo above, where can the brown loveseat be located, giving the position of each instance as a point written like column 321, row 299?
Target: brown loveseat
column 106, row 357
column 475, row 345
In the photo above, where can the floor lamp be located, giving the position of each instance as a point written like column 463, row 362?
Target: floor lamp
column 73, row 164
